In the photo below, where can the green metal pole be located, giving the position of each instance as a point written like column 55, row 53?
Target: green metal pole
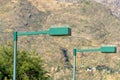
column 63, row 31
column 74, row 64
column 32, row 33
column 15, row 54
column 89, row 50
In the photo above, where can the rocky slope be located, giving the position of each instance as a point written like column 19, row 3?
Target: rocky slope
column 114, row 5
column 92, row 25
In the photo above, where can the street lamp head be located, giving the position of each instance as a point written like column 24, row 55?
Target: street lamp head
column 60, row 31
column 108, row 49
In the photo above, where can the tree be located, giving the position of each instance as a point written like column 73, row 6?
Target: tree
column 29, row 65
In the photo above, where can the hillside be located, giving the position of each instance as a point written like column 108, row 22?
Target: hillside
column 92, row 25
column 114, row 5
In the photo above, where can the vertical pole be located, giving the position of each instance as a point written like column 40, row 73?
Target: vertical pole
column 15, row 54
column 74, row 64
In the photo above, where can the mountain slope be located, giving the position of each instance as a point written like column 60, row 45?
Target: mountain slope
column 92, row 25
column 114, row 5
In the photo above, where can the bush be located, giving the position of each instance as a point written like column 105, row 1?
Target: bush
column 29, row 65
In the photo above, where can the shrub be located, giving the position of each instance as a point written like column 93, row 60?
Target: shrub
column 29, row 65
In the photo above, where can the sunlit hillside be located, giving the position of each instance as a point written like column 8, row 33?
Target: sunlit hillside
column 92, row 24
column 44, row 5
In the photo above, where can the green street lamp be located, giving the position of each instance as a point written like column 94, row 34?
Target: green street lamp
column 53, row 31
column 103, row 49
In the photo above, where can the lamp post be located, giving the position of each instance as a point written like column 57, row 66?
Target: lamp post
column 53, row 31
column 103, row 49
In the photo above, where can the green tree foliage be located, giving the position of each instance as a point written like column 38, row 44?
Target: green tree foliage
column 29, row 65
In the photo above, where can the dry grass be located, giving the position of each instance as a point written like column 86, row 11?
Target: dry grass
column 46, row 5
